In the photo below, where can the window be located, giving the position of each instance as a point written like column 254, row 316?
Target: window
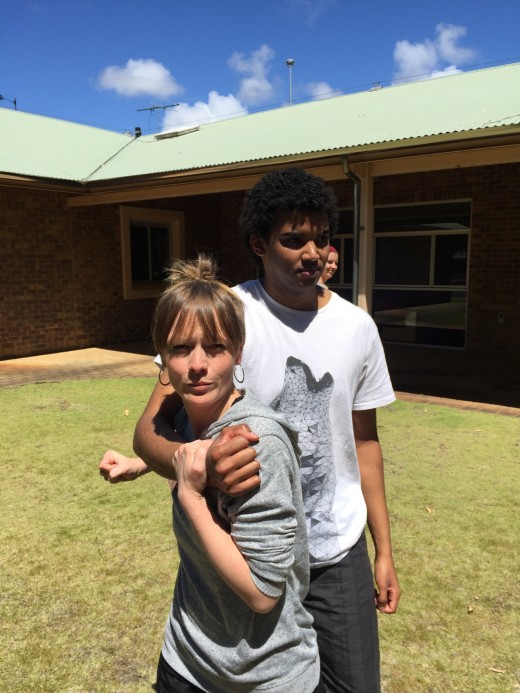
column 341, row 282
column 151, row 239
column 421, row 273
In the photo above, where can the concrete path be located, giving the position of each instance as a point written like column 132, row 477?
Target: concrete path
column 83, row 364
column 136, row 361
column 459, row 404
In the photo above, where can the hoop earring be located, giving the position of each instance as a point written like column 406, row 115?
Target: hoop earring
column 166, row 383
column 238, row 365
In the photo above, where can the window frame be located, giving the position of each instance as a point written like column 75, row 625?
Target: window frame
column 148, row 217
column 431, row 286
column 340, row 240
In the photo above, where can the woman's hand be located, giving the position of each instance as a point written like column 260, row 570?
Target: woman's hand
column 115, row 467
column 190, row 467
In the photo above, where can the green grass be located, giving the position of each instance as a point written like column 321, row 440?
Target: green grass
column 453, row 499
column 87, row 569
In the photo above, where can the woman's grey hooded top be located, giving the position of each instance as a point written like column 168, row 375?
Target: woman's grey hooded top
column 213, row 639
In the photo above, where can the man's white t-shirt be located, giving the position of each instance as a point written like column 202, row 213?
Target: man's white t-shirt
column 317, row 367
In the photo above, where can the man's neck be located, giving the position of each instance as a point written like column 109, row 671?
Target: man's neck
column 314, row 298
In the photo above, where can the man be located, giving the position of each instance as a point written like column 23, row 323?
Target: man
column 330, row 389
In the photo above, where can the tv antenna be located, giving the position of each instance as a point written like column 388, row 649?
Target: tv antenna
column 4, row 98
column 156, row 108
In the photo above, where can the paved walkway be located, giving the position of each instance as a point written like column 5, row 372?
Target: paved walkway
column 81, row 364
column 135, row 361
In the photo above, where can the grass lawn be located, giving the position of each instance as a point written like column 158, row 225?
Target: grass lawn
column 87, row 568
column 454, row 505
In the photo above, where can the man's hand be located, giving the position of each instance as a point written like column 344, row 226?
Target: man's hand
column 115, row 467
column 388, row 591
column 231, row 461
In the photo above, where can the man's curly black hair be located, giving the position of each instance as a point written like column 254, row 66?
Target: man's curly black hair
column 285, row 190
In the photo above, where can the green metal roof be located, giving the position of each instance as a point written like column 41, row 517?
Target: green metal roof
column 441, row 109
column 41, row 147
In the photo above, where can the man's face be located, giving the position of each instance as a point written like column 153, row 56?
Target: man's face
column 294, row 256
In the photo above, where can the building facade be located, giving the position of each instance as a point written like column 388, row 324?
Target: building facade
column 433, row 222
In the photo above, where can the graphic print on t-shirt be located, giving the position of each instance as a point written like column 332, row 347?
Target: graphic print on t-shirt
column 305, row 401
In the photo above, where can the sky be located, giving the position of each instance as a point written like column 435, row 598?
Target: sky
column 166, row 64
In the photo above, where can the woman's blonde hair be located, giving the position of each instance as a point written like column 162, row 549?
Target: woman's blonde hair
column 195, row 295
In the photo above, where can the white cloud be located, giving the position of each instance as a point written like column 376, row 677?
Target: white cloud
column 448, row 35
column 320, row 90
column 419, row 61
column 450, row 70
column 140, row 78
column 151, row 78
column 218, row 107
column 312, row 9
column 255, row 88
column 414, row 60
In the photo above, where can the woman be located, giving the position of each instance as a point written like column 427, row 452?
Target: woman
column 331, row 266
column 236, row 622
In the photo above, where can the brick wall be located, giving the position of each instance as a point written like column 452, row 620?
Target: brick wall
column 495, row 261
column 61, row 282
column 61, row 279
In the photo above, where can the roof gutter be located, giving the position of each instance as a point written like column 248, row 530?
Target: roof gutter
column 357, row 228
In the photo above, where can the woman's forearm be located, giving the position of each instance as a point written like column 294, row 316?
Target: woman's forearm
column 223, row 553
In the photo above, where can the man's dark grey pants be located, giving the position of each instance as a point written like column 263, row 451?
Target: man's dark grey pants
column 341, row 599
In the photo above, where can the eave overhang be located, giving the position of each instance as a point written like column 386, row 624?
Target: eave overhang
column 17, row 181
column 388, row 159
column 460, row 150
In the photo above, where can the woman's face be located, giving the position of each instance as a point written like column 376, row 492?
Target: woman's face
column 200, row 369
column 331, row 267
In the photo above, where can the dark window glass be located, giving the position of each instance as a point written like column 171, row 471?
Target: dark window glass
column 160, row 252
column 346, row 221
column 424, row 246
column 427, row 217
column 403, row 260
column 344, row 245
column 139, row 253
column 150, row 252
column 344, row 272
column 435, row 318
column 451, row 260
column 345, row 261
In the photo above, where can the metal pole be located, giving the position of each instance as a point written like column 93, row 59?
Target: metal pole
column 290, row 62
